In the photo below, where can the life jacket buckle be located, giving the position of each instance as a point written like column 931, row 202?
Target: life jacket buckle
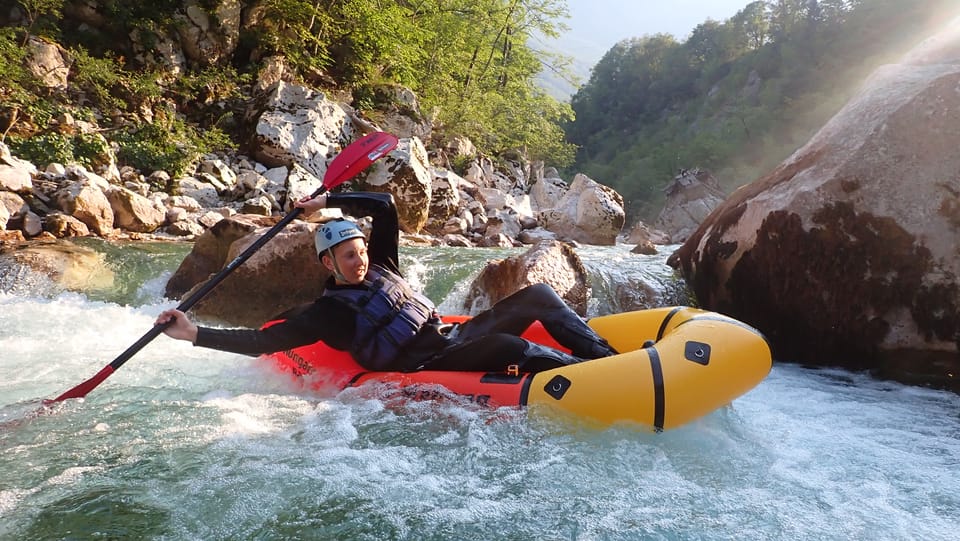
column 450, row 330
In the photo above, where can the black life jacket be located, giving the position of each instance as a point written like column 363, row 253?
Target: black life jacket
column 389, row 316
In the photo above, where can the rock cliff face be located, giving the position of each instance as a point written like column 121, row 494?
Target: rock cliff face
column 847, row 253
column 691, row 197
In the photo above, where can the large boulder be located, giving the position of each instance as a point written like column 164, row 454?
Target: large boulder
column 13, row 206
column 87, row 203
column 401, row 113
column 588, row 212
column 209, row 36
column 209, row 253
column 549, row 262
column 846, row 254
column 15, row 174
column 547, row 192
column 445, row 200
column 202, row 192
column 133, row 212
column 690, row 198
column 16, row 214
column 282, row 274
column 45, row 60
column 405, row 173
column 63, row 266
column 61, row 225
column 300, row 125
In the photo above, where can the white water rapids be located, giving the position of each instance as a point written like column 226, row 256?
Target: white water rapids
column 187, row 443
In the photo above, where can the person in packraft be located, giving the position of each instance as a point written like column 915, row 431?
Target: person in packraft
column 369, row 310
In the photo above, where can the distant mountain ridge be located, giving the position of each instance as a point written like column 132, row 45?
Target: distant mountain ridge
column 597, row 25
column 584, row 55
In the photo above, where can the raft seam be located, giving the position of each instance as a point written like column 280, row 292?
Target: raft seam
column 666, row 321
column 732, row 321
column 525, row 389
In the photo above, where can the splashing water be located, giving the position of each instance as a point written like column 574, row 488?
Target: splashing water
column 188, row 443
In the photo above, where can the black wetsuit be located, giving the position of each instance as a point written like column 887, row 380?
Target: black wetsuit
column 488, row 342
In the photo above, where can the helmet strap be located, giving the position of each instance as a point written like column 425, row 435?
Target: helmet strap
column 336, row 268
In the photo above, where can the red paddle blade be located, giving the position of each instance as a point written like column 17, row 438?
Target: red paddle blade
column 358, row 156
column 81, row 390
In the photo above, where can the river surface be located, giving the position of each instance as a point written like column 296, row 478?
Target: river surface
column 188, row 443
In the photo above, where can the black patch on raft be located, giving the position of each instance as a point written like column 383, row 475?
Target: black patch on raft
column 659, row 400
column 557, row 387
column 698, row 352
column 501, row 378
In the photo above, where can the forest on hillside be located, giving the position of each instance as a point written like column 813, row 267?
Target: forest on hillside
column 134, row 76
column 738, row 96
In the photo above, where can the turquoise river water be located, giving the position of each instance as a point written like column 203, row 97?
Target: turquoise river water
column 187, row 443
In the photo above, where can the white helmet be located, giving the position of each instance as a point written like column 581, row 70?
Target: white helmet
column 334, row 232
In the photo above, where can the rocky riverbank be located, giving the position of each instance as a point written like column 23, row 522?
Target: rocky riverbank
column 483, row 208
column 446, row 192
column 299, row 131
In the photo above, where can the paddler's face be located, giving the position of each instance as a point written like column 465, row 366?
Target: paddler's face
column 352, row 260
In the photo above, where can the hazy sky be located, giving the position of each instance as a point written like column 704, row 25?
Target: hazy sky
column 596, row 25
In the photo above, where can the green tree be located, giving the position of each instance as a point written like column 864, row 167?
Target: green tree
column 753, row 24
column 470, row 62
column 15, row 81
column 36, row 11
column 787, row 17
column 477, row 73
column 738, row 96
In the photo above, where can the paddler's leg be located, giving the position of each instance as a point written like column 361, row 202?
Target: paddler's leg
column 495, row 353
column 515, row 313
column 491, row 353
